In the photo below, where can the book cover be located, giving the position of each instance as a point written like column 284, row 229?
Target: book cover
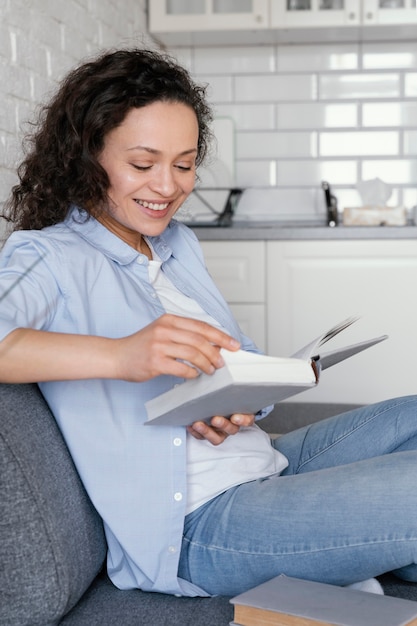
column 288, row 601
column 248, row 382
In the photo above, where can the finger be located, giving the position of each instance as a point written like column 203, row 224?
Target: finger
column 243, row 419
column 194, row 432
column 201, row 430
column 201, row 331
column 168, row 342
column 172, row 339
column 224, row 425
column 203, row 356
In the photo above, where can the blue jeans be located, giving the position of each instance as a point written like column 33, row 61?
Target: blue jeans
column 344, row 510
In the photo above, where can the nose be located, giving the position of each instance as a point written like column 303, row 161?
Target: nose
column 164, row 182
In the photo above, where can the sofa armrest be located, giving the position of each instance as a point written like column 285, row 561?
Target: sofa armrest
column 52, row 543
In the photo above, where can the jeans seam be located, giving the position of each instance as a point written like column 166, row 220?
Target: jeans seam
column 361, row 544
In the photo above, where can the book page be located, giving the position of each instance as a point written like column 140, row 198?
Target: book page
column 311, row 348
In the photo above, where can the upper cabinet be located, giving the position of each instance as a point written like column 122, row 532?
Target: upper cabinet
column 311, row 13
column 390, row 12
column 202, row 15
column 221, row 22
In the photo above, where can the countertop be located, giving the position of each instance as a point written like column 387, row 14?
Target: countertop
column 244, row 231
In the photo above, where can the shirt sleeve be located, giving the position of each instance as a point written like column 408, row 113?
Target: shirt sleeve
column 29, row 293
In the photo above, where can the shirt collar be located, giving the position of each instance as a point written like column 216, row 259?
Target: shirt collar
column 109, row 244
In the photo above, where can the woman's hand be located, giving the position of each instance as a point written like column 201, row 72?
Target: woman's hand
column 173, row 345
column 220, row 427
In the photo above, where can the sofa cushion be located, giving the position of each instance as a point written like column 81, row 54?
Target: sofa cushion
column 52, row 543
column 105, row 605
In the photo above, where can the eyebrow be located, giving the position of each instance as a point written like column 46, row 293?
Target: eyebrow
column 153, row 151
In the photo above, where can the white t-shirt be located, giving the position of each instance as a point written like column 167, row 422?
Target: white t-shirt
column 243, row 457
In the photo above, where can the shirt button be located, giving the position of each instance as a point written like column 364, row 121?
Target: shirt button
column 141, row 260
column 178, row 496
column 154, row 295
column 177, row 441
column 172, row 549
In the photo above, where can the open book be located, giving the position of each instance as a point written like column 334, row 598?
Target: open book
column 248, row 382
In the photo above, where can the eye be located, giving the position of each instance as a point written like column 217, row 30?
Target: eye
column 185, row 165
column 141, row 168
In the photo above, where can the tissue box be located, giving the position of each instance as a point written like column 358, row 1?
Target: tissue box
column 375, row 216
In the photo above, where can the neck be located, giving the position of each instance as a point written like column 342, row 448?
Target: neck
column 131, row 237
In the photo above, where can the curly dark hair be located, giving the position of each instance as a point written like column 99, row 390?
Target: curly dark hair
column 61, row 165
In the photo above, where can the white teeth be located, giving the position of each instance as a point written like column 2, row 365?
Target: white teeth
column 153, row 206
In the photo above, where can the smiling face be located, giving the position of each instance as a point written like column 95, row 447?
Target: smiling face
column 150, row 161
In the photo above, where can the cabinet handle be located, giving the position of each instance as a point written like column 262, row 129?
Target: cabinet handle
column 352, row 16
column 258, row 18
column 369, row 16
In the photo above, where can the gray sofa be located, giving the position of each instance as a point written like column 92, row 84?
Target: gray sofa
column 52, row 547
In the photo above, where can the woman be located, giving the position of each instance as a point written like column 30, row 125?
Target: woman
column 107, row 303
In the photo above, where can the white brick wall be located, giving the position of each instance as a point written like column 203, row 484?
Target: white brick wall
column 40, row 40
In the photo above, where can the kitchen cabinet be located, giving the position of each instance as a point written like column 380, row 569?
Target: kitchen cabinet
column 207, row 15
column 228, row 22
column 389, row 12
column 311, row 13
column 238, row 269
column 312, row 285
column 286, row 293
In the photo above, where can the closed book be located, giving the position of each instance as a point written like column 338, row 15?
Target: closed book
column 248, row 382
column 287, row 601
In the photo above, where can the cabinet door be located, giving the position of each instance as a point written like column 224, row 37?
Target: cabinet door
column 204, row 15
column 313, row 285
column 251, row 319
column 389, row 12
column 308, row 13
column 238, row 269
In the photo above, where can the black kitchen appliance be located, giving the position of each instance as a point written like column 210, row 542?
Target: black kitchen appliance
column 220, row 218
column 331, row 205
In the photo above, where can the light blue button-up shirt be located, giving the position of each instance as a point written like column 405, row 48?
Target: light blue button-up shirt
column 85, row 280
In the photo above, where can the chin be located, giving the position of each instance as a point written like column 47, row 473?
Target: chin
column 155, row 229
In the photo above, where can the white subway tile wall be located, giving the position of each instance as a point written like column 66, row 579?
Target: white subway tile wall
column 306, row 113
column 382, row 57
column 411, row 85
column 390, row 114
column 316, row 115
column 276, row 144
column 302, row 113
column 410, row 142
column 264, row 88
column 348, row 143
column 359, row 86
column 237, row 61
column 39, row 44
column 315, row 58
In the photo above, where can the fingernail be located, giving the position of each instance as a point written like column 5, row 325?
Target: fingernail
column 234, row 343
